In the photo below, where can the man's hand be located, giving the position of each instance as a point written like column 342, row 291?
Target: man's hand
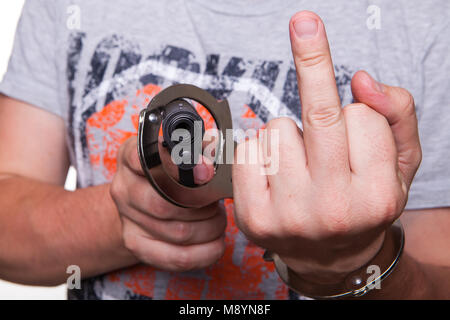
column 161, row 234
column 342, row 181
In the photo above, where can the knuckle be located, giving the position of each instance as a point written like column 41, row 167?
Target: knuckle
column 389, row 208
column 183, row 261
column 336, row 216
column 133, row 159
column 323, row 115
column 385, row 202
column 128, row 155
column 311, row 59
column 183, row 232
column 159, row 207
column 338, row 224
column 291, row 225
column 258, row 228
column 413, row 157
column 407, row 103
column 123, row 150
column 408, row 98
column 116, row 191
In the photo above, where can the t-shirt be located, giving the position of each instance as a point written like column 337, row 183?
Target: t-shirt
column 97, row 63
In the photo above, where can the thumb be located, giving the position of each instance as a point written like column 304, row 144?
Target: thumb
column 397, row 105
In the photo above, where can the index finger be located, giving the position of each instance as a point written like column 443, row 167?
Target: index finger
column 323, row 122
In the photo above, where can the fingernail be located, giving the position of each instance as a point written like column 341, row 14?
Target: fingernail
column 201, row 173
column 305, row 28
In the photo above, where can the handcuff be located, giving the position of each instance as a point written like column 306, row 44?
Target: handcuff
column 168, row 111
column 358, row 282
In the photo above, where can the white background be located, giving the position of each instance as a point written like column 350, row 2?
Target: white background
column 9, row 15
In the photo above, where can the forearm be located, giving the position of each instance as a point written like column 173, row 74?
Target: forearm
column 423, row 271
column 414, row 280
column 45, row 228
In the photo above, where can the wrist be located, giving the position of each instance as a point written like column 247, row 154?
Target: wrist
column 353, row 284
column 335, row 264
column 117, row 243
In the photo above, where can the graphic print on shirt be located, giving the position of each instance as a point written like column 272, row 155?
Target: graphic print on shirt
column 119, row 81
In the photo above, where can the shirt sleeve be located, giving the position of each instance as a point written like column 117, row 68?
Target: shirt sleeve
column 431, row 186
column 33, row 75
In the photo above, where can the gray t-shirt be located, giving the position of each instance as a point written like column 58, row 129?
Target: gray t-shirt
column 97, row 63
